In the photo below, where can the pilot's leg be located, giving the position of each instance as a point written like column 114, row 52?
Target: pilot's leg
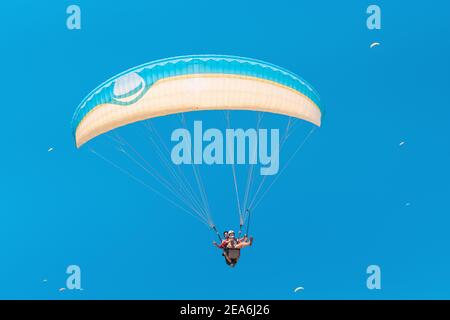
column 228, row 260
column 242, row 245
column 245, row 243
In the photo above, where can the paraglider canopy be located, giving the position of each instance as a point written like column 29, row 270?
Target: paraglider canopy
column 194, row 83
column 191, row 83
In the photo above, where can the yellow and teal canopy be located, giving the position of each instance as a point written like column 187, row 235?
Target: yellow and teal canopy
column 191, row 83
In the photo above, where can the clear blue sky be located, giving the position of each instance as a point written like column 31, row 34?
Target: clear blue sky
column 340, row 206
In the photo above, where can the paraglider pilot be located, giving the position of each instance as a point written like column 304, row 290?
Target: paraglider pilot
column 231, row 246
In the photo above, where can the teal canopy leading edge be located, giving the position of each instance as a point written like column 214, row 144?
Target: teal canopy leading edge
column 191, row 83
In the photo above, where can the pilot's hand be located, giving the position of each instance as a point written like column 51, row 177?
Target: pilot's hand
column 214, row 243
